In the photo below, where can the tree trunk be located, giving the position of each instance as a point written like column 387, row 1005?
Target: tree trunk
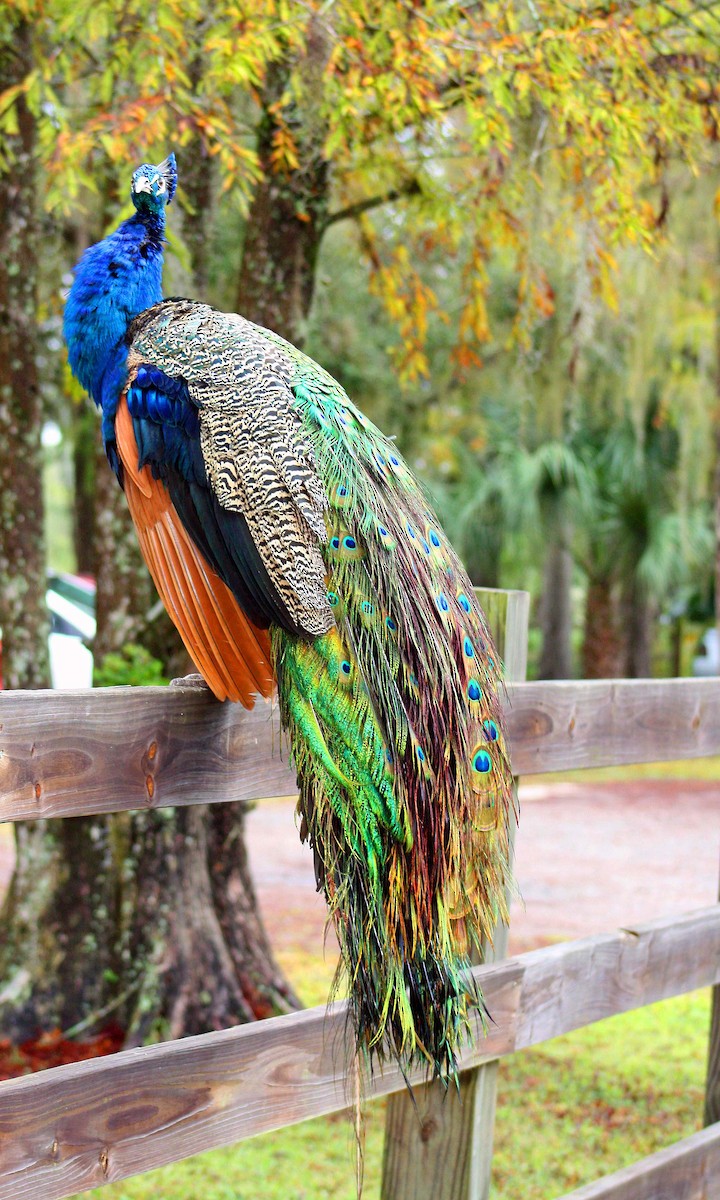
column 481, row 543
column 716, row 479
column 198, row 174
column 601, row 649
column 482, row 562
column 285, row 224
column 556, row 609
column 712, row 1085
column 84, row 439
column 23, row 614
column 193, row 925
column 149, row 919
column 637, row 630
column 56, row 957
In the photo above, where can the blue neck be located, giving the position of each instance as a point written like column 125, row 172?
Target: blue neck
column 114, row 281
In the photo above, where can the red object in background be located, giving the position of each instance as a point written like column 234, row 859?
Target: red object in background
column 53, row 1050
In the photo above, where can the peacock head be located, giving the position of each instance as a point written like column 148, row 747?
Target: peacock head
column 154, row 187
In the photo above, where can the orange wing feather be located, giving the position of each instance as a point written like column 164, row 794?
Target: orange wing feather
column 231, row 653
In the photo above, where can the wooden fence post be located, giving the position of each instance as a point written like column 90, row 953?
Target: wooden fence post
column 440, row 1148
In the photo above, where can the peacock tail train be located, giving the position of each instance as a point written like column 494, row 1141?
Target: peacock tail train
column 396, row 730
column 289, row 541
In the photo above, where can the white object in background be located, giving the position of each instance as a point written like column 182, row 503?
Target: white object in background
column 71, row 614
column 707, row 659
column 71, row 663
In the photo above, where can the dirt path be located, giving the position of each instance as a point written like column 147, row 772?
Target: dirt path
column 590, row 857
column 593, row 857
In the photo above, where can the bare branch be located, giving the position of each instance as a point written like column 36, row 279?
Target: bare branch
column 411, row 188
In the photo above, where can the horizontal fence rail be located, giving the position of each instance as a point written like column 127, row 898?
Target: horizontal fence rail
column 79, row 753
column 78, row 1126
column 689, row 1170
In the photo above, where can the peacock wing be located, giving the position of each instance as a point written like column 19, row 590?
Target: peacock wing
column 232, row 653
column 251, row 497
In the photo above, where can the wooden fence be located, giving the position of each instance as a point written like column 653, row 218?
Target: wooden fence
column 73, row 1128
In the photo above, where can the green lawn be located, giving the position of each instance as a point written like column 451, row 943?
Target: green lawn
column 706, row 769
column 597, row 1100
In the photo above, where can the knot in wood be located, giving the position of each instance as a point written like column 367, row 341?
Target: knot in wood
column 428, row 1128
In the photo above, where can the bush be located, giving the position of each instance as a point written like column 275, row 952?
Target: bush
column 134, row 665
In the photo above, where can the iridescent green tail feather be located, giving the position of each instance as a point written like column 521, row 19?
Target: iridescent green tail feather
column 396, row 730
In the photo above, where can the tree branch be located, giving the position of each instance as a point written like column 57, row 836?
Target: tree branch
column 411, row 188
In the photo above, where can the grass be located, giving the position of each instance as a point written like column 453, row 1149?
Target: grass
column 569, row 1112
column 704, row 769
column 599, row 1099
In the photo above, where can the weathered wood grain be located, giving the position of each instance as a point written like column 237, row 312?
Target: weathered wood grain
column 573, row 984
column 558, row 726
column 427, row 1149
column 74, row 1127
column 689, row 1170
column 77, row 753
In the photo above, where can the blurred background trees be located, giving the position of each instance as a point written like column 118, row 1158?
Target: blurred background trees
column 495, row 223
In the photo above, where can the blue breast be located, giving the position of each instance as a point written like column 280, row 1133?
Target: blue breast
column 115, row 280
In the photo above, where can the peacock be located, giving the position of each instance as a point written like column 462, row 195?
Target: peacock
column 295, row 551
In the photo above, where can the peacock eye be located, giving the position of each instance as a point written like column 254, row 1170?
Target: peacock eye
column 161, row 184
